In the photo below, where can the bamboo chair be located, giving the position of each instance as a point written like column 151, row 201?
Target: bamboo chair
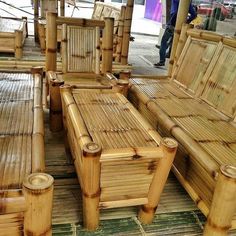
column 23, row 189
column 197, row 107
column 117, row 155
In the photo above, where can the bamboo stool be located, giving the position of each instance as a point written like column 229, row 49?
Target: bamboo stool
column 13, row 32
column 22, row 153
column 114, row 152
column 199, row 111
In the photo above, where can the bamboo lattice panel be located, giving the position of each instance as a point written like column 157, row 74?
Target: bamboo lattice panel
column 193, row 63
column 81, row 48
column 221, row 85
column 9, row 25
column 16, row 112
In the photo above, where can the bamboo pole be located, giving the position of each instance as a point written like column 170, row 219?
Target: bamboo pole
column 36, row 17
column 64, row 49
column 51, row 41
column 55, row 118
column 91, row 189
column 223, row 206
column 38, row 192
column 182, row 39
column 18, row 44
column 24, row 18
column 120, row 34
column 125, row 74
column 181, row 18
column 62, row 7
column 107, row 45
column 38, row 155
column 42, row 36
column 147, row 211
column 121, row 86
column 126, row 34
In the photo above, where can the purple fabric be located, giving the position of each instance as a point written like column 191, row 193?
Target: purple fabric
column 153, row 10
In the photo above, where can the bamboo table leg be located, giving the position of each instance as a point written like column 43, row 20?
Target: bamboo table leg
column 223, row 206
column 91, row 188
column 147, row 211
column 38, row 192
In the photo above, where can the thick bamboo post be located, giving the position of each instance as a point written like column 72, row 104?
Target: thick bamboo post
column 43, row 4
column 127, row 29
column 182, row 40
column 51, row 41
column 121, row 86
column 91, row 188
column 62, row 7
column 147, row 211
column 42, row 37
column 223, row 206
column 181, row 18
column 125, row 74
column 38, row 192
column 107, row 45
column 64, row 48
column 120, row 34
column 55, row 116
column 18, row 44
column 36, row 17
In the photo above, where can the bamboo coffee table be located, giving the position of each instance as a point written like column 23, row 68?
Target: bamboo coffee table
column 119, row 158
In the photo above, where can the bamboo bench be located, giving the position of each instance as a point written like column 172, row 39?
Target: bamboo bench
column 119, row 159
column 21, row 154
column 13, row 32
column 197, row 107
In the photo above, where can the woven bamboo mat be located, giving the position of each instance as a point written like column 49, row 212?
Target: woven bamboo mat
column 116, row 129
column 9, row 25
column 16, row 112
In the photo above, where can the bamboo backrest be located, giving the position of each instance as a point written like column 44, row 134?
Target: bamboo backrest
column 193, row 63
column 220, row 89
column 81, row 50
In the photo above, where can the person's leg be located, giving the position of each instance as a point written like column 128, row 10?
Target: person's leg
column 164, row 45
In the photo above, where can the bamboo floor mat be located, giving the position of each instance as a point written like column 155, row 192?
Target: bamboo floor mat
column 16, row 112
column 176, row 213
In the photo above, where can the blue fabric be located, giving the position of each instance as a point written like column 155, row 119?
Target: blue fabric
column 174, row 11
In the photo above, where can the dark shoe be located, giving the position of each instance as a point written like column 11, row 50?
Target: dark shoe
column 159, row 64
column 157, row 46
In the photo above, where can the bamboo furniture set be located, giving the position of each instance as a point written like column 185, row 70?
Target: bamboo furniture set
column 197, row 107
column 13, row 32
column 23, row 190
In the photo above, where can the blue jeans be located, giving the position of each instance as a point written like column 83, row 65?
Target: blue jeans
column 166, row 42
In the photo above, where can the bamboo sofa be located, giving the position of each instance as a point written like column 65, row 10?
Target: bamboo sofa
column 197, row 106
column 121, row 28
column 119, row 158
column 22, row 188
column 13, row 32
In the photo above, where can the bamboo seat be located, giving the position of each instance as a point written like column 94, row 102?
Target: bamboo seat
column 114, row 152
column 22, row 153
column 13, row 32
column 197, row 107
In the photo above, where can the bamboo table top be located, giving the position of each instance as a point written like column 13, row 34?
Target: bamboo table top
column 114, row 126
column 209, row 128
column 16, row 112
column 9, row 25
